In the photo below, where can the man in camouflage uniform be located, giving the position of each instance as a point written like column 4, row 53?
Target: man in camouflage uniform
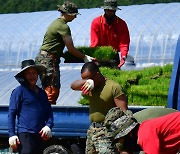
column 103, row 94
column 58, row 36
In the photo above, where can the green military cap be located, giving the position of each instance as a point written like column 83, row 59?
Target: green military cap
column 110, row 5
column 122, row 126
column 112, row 115
column 119, row 123
column 69, row 8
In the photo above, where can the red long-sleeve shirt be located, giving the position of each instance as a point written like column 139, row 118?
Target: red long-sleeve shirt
column 160, row 135
column 115, row 35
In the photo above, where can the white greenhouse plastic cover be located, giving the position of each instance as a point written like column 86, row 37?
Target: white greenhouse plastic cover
column 154, row 31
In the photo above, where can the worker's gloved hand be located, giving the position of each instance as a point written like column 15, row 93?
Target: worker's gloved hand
column 87, row 87
column 52, row 93
column 13, row 142
column 122, row 62
column 45, row 133
column 88, row 58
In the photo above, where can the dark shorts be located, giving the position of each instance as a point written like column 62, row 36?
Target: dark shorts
column 30, row 143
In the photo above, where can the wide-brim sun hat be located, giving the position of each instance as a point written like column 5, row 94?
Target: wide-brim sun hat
column 123, row 126
column 69, row 8
column 28, row 64
column 110, row 5
column 112, row 115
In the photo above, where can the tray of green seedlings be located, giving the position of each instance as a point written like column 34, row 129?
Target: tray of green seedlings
column 104, row 55
column 146, row 87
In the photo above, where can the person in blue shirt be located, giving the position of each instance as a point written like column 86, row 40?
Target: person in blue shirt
column 30, row 106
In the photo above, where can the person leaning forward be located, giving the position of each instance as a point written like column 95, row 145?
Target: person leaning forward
column 141, row 116
column 103, row 94
column 159, row 135
column 110, row 30
column 57, row 36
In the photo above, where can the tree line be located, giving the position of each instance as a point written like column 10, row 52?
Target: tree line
column 18, row 6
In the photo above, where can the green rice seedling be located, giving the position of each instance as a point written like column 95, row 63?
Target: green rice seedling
column 105, row 53
column 147, row 87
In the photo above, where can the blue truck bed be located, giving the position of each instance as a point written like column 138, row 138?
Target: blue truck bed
column 68, row 121
column 70, row 127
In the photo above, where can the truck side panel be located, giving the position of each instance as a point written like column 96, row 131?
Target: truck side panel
column 68, row 121
column 174, row 89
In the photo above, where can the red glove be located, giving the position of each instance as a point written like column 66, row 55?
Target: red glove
column 121, row 62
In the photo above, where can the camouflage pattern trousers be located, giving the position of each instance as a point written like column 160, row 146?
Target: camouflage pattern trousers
column 52, row 74
column 98, row 141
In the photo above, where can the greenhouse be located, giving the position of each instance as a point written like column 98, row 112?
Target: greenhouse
column 154, row 31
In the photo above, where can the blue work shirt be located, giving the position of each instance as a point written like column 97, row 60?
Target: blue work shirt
column 32, row 110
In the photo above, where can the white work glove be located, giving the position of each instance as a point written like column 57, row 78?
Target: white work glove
column 13, row 142
column 88, row 58
column 45, row 133
column 122, row 62
column 87, row 87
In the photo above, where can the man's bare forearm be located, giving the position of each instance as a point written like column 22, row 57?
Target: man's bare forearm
column 76, row 85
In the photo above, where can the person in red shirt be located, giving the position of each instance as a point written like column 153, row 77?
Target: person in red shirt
column 110, row 30
column 155, row 136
